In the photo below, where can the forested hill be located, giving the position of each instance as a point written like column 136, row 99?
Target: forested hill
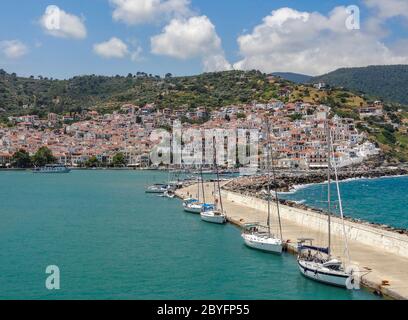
column 41, row 94
column 389, row 83
column 294, row 77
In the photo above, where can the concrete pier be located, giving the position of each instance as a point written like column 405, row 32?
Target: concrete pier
column 380, row 255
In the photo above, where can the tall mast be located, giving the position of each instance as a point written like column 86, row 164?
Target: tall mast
column 328, row 183
column 198, row 187
column 274, row 181
column 269, row 176
column 341, row 207
column 218, row 177
column 202, row 182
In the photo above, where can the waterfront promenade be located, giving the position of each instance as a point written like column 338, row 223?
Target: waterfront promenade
column 381, row 256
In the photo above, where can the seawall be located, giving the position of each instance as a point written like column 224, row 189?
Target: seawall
column 380, row 255
column 380, row 239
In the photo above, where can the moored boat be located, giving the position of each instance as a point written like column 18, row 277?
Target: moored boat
column 262, row 241
column 253, row 237
column 157, row 188
column 213, row 216
column 192, row 206
column 52, row 168
column 211, row 213
column 318, row 263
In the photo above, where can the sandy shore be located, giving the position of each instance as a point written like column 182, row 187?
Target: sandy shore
column 383, row 269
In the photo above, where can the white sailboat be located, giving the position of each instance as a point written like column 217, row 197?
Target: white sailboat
column 213, row 214
column 157, row 188
column 317, row 263
column 253, row 237
column 193, row 205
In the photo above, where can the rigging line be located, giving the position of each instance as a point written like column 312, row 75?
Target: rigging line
column 202, row 183
column 198, row 188
column 218, row 177
column 328, row 183
column 341, row 206
column 269, row 180
column 270, row 154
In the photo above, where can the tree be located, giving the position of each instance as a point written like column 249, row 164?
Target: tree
column 21, row 159
column 119, row 160
column 241, row 115
column 296, row 116
column 43, row 156
column 92, row 162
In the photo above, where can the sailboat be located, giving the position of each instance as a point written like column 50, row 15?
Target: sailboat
column 193, row 205
column 317, row 263
column 211, row 213
column 253, row 237
column 157, row 188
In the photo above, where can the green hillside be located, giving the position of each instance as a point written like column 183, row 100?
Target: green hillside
column 388, row 83
column 20, row 95
column 32, row 95
column 294, row 77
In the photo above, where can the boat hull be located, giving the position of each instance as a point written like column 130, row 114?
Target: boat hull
column 323, row 275
column 192, row 210
column 266, row 245
column 59, row 170
column 43, row 172
column 212, row 218
column 155, row 191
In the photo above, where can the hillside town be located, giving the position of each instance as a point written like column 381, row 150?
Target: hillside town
column 298, row 133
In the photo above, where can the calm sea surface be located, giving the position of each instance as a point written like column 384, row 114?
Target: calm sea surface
column 112, row 241
column 383, row 200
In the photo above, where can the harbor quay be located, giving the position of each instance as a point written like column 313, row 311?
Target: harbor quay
column 380, row 256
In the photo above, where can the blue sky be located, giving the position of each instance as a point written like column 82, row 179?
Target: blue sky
column 191, row 36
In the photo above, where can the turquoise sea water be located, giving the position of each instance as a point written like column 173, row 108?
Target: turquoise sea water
column 112, row 241
column 383, row 201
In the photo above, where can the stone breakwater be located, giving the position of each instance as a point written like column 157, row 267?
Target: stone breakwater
column 288, row 180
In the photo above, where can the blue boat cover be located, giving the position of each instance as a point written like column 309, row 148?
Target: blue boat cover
column 207, row 207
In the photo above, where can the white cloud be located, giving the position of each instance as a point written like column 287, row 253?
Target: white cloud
column 312, row 43
column 195, row 37
column 136, row 55
column 58, row 23
column 389, row 8
column 13, row 49
column 148, row 11
column 113, row 48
